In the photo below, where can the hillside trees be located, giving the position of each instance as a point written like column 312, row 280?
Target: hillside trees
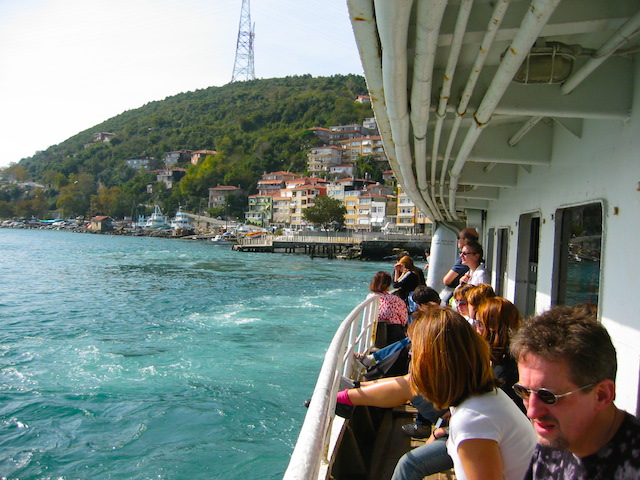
column 110, row 201
column 256, row 126
column 74, row 199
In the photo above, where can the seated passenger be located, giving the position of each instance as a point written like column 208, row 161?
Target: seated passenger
column 567, row 365
column 475, row 296
column 422, row 296
column 406, row 277
column 489, row 436
column 392, row 314
column 460, row 299
column 497, row 320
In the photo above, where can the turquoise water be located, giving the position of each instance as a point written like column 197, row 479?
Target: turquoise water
column 144, row 358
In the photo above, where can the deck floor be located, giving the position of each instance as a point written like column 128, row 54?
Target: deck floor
column 392, row 443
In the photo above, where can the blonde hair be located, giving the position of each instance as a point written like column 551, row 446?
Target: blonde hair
column 407, row 261
column 501, row 320
column 475, row 296
column 450, row 361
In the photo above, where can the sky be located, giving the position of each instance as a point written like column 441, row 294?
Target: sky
column 67, row 65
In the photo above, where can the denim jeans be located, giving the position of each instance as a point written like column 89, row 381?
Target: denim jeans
column 426, row 410
column 428, row 459
column 390, row 349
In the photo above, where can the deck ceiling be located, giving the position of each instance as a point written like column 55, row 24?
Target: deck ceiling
column 456, row 128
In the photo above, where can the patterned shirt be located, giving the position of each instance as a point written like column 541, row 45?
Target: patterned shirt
column 617, row 460
column 393, row 310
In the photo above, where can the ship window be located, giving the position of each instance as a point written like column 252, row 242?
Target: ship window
column 578, row 245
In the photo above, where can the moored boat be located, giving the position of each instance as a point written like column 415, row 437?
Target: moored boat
column 156, row 221
column 226, row 238
column 181, row 221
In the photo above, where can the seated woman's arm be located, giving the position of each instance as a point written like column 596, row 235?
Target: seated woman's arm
column 384, row 393
column 481, row 459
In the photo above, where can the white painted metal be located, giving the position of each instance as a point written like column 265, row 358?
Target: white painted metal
column 355, row 334
column 620, row 38
column 521, row 148
column 532, row 23
column 444, row 251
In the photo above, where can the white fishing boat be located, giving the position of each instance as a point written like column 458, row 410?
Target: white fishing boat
column 156, row 221
column 518, row 118
column 226, row 238
column 181, row 221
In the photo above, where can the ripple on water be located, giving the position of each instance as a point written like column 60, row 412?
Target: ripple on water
column 135, row 358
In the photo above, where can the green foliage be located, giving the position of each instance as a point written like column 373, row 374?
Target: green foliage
column 255, row 126
column 366, row 167
column 325, row 211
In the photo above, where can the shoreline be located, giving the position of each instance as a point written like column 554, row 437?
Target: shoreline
column 370, row 250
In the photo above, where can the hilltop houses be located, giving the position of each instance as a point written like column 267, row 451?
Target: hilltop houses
column 349, row 165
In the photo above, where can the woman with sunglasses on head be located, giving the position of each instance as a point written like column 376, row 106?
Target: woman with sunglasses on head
column 475, row 296
column 489, row 437
column 460, row 299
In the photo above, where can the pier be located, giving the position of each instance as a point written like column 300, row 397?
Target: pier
column 366, row 247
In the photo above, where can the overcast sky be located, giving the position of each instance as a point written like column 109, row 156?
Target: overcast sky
column 67, row 65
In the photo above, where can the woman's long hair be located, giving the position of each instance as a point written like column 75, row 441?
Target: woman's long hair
column 450, row 361
column 407, row 261
column 501, row 320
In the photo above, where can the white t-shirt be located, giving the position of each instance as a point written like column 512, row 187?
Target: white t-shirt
column 493, row 416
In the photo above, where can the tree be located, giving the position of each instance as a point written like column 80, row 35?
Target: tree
column 6, row 209
column 325, row 211
column 368, row 168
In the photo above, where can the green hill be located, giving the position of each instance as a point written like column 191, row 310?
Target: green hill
column 255, row 126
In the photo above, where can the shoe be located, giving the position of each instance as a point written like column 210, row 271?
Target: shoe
column 417, row 431
column 366, row 360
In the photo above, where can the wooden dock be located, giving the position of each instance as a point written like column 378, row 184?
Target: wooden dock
column 333, row 246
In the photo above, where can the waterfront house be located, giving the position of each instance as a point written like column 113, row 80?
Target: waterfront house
column 101, row 223
column 260, row 210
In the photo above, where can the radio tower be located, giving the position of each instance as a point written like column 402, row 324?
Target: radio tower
column 243, row 66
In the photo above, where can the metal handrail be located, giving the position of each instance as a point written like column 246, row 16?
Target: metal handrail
column 355, row 333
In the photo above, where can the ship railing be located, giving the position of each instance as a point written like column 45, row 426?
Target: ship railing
column 312, row 453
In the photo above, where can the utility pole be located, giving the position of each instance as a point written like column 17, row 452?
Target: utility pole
column 243, row 66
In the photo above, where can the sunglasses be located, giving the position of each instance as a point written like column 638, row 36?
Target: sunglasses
column 543, row 394
column 464, row 254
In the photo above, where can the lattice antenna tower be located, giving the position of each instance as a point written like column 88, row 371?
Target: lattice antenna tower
column 243, row 66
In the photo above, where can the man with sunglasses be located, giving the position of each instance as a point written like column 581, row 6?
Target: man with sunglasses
column 567, row 368
column 471, row 257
